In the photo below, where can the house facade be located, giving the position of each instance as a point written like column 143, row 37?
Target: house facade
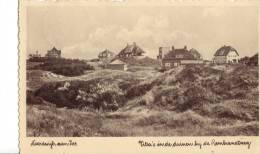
column 226, row 55
column 53, row 53
column 117, row 65
column 176, row 57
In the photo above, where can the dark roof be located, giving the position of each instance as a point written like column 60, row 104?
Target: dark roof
column 224, row 50
column 179, row 54
column 54, row 50
column 133, row 48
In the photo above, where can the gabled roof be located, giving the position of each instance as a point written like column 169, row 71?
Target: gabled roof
column 179, row 54
column 133, row 48
column 54, row 49
column 224, row 50
column 117, row 61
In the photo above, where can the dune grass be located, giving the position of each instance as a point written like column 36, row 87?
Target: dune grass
column 49, row 121
column 190, row 101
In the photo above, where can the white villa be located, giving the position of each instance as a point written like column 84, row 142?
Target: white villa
column 226, row 54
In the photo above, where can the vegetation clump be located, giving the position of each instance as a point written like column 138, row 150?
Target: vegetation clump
column 94, row 94
column 66, row 67
column 210, row 99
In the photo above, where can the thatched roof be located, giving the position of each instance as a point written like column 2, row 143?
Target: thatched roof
column 106, row 54
column 132, row 49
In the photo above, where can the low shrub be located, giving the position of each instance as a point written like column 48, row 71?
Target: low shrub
column 142, row 102
column 138, row 90
column 223, row 112
column 186, row 119
column 174, row 120
column 189, row 96
column 50, row 93
column 31, row 99
column 168, row 97
column 37, row 59
column 79, row 94
column 61, row 122
column 159, row 118
column 66, row 67
column 194, row 96
column 188, row 74
column 146, row 61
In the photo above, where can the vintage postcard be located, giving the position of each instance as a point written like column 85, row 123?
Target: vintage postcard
column 144, row 76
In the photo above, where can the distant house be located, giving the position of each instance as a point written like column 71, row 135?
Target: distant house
column 226, row 54
column 254, row 60
column 106, row 55
column 132, row 50
column 176, row 57
column 53, row 53
column 251, row 61
column 117, row 65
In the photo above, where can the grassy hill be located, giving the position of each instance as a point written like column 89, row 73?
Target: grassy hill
column 209, row 99
column 145, row 61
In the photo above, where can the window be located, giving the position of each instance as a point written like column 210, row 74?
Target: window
column 167, row 64
column 179, row 56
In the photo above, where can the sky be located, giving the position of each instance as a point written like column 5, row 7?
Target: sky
column 84, row 31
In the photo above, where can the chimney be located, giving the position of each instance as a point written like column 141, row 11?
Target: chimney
column 160, row 49
column 185, row 47
column 172, row 48
column 160, row 53
column 134, row 43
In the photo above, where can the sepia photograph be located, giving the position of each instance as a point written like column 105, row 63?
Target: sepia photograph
column 142, row 70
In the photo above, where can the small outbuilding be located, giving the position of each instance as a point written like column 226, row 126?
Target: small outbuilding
column 117, row 64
